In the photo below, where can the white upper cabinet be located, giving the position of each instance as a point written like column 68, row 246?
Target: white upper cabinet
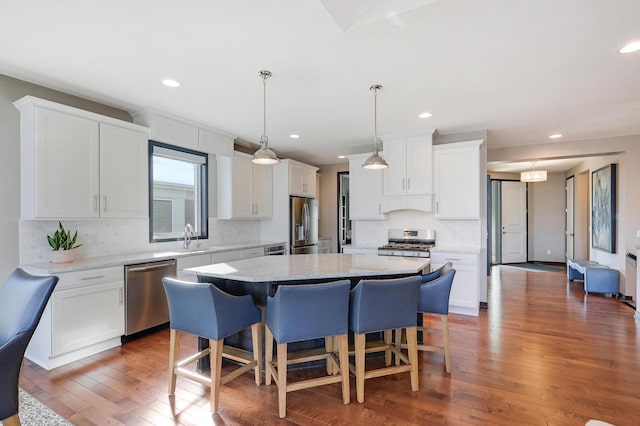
column 302, row 179
column 77, row 164
column 174, row 130
column 456, row 171
column 365, row 190
column 407, row 182
column 244, row 189
column 124, row 176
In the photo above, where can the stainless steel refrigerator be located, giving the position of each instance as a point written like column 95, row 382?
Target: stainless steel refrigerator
column 303, row 224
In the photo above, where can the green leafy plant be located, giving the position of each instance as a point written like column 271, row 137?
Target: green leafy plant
column 62, row 239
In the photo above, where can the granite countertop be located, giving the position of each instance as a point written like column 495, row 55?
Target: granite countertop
column 133, row 258
column 311, row 266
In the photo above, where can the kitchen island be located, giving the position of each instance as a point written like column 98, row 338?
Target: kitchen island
column 260, row 278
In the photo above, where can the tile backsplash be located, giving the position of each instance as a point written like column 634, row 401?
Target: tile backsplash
column 449, row 233
column 106, row 237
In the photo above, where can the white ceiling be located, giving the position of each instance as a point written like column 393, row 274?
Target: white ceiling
column 520, row 69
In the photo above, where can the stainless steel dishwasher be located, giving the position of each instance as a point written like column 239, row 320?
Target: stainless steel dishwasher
column 145, row 301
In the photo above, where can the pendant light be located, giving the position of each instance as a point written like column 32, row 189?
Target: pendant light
column 533, row 175
column 375, row 161
column 264, row 155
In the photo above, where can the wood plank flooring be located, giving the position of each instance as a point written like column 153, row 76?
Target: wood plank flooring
column 542, row 354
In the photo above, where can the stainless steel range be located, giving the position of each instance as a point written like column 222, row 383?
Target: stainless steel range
column 409, row 243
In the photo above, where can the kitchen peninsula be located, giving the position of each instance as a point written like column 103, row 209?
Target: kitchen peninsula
column 259, row 277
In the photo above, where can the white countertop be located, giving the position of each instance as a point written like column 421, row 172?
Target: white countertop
column 311, row 266
column 133, row 258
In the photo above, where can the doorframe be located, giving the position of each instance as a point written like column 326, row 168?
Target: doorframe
column 573, row 210
column 490, row 217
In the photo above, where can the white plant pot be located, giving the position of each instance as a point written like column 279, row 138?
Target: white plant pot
column 61, row 256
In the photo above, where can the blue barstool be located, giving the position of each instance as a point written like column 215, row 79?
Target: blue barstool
column 22, row 300
column 434, row 299
column 305, row 312
column 206, row 311
column 384, row 305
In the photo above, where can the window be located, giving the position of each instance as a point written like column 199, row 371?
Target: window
column 177, row 192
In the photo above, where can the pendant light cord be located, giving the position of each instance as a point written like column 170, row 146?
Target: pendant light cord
column 375, row 89
column 264, row 139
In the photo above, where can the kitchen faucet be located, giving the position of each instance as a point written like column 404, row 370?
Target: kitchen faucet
column 188, row 233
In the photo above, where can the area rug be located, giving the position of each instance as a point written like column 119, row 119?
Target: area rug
column 34, row 413
column 537, row 267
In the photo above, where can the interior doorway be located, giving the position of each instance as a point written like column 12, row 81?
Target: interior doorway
column 344, row 221
column 569, row 217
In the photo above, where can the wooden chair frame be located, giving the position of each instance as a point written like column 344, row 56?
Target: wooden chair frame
column 337, row 367
column 445, row 348
column 216, row 351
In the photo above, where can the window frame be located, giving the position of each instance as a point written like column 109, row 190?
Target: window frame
column 202, row 205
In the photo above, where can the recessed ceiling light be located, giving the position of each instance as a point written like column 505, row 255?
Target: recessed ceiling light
column 425, row 115
column 556, row 136
column 634, row 46
column 294, row 136
column 342, row 156
column 170, row 83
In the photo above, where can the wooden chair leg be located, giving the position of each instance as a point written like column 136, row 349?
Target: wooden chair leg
column 445, row 336
column 12, row 421
column 328, row 347
column 174, row 350
column 359, row 340
column 388, row 342
column 343, row 353
column 398, row 343
column 256, row 342
column 268, row 351
column 412, row 345
column 215, row 359
column 282, row 379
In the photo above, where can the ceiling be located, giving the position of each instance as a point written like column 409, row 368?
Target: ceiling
column 520, row 69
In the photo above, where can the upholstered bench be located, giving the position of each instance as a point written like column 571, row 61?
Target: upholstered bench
column 597, row 278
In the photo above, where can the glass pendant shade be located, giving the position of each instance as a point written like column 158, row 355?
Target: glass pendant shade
column 533, row 176
column 264, row 155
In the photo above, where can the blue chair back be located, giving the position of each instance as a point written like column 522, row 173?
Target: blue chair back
column 436, row 274
column 22, row 301
column 378, row 305
column 204, row 310
column 309, row 311
column 434, row 295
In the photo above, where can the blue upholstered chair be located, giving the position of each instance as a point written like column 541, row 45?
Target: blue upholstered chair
column 434, row 299
column 305, row 312
column 435, row 274
column 22, row 300
column 206, row 311
column 385, row 305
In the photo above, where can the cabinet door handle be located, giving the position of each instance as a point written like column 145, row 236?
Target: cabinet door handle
column 408, row 184
column 403, row 184
column 121, row 294
column 95, row 203
column 104, row 205
column 452, row 259
column 437, row 208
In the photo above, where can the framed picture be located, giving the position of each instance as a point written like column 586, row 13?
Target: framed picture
column 603, row 209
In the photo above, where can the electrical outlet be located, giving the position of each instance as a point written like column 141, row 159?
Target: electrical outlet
column 638, row 233
column 548, row 251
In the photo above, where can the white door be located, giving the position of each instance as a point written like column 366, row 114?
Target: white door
column 514, row 222
column 569, row 214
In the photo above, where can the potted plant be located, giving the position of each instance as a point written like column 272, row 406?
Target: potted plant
column 62, row 242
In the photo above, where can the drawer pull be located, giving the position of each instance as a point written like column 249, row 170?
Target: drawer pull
column 92, row 278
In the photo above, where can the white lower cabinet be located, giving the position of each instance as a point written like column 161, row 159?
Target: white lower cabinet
column 84, row 316
column 465, row 292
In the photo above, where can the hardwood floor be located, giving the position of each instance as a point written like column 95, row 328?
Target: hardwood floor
column 542, row 354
